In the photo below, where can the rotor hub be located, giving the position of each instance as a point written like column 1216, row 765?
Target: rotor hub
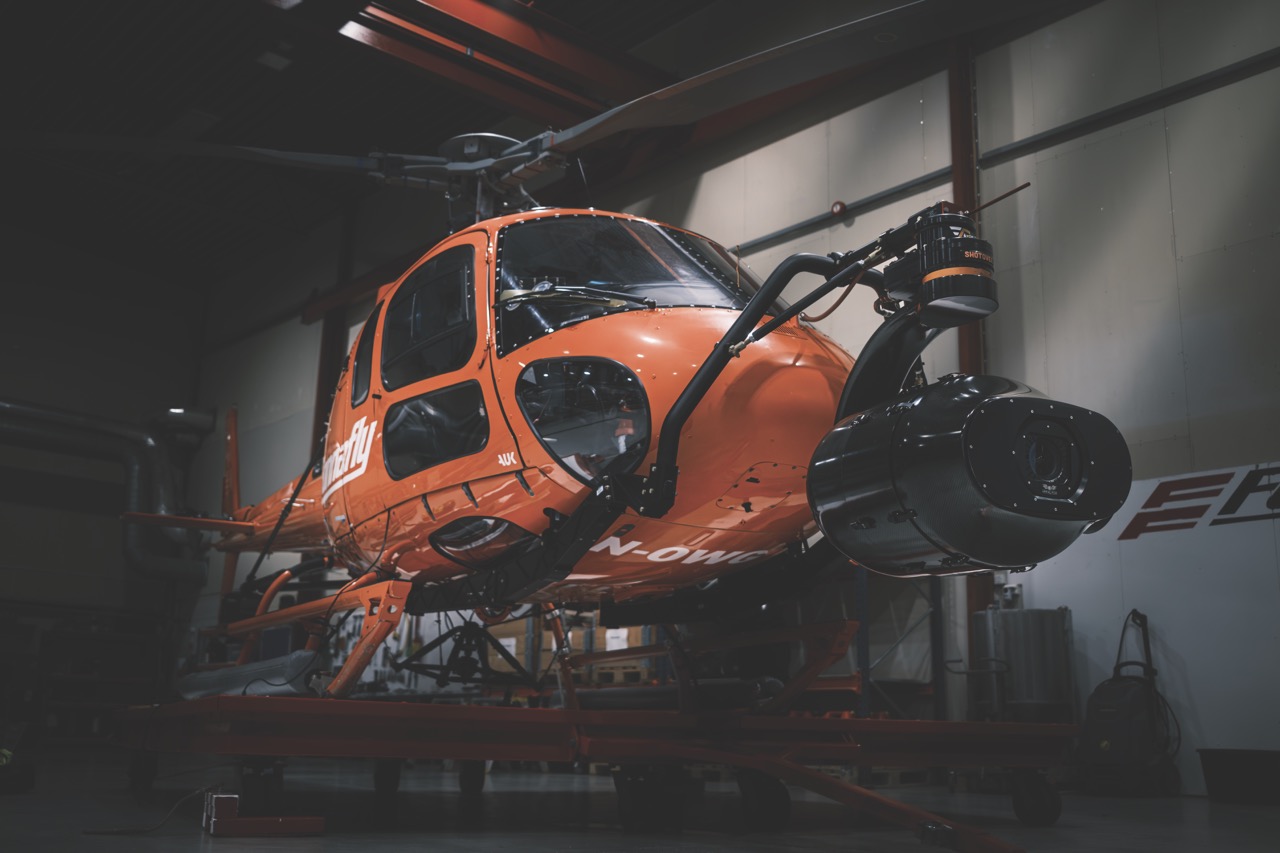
column 471, row 147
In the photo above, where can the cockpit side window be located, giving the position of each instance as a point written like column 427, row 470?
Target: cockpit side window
column 430, row 325
column 362, row 364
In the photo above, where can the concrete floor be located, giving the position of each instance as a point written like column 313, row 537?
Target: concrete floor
column 87, row 792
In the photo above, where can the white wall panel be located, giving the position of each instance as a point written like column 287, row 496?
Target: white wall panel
column 1230, row 303
column 710, row 202
column 1196, row 38
column 1222, row 161
column 1084, row 579
column 268, row 377
column 1004, row 101
column 1122, row 219
column 1101, row 57
column 787, row 181
column 935, row 123
column 1018, row 330
column 1109, row 276
column 889, row 141
column 271, row 380
column 1099, row 298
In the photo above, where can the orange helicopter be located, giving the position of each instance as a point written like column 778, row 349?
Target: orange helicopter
column 487, row 430
column 570, row 406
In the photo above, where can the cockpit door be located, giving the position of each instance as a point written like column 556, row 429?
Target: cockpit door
column 434, row 414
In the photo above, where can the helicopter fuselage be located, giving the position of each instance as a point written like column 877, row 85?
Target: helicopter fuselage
column 460, row 427
column 586, row 407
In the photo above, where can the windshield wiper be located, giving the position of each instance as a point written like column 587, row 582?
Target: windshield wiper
column 549, row 290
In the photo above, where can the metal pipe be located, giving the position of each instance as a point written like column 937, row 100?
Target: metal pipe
column 74, row 435
column 862, row 612
column 1166, row 97
column 162, row 501
column 937, row 648
column 964, row 177
column 841, row 211
column 264, row 604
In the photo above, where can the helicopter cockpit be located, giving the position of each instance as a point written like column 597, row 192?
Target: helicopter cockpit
column 554, row 272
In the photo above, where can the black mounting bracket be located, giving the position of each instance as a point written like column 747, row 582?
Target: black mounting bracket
column 561, row 546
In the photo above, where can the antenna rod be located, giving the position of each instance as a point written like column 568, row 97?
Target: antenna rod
column 1000, row 197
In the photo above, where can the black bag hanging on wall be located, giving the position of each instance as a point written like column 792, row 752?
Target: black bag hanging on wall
column 1130, row 736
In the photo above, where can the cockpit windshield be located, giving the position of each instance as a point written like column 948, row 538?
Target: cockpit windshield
column 562, row 270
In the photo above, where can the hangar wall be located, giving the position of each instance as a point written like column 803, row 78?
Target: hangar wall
column 92, row 354
column 1135, row 278
column 1132, row 280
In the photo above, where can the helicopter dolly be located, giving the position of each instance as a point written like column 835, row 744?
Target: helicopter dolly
column 645, row 747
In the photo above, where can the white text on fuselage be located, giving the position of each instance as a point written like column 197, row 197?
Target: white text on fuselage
column 348, row 459
column 676, row 553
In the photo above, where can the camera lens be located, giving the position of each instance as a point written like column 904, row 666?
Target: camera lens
column 1048, row 458
column 1045, row 458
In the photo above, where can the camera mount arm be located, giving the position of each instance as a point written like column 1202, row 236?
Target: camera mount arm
column 942, row 275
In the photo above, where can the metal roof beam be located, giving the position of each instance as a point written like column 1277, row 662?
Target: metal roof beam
column 489, row 77
column 529, row 38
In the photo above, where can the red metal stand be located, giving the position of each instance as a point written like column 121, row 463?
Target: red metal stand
column 779, row 745
column 765, row 740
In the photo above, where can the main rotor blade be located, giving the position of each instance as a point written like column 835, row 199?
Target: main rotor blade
column 801, row 61
column 362, row 165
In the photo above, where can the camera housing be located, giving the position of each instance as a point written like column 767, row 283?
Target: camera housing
column 948, row 275
column 969, row 473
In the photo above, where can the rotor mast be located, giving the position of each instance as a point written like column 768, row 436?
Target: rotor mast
column 486, row 177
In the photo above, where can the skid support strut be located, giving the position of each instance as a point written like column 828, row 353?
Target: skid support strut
column 383, row 605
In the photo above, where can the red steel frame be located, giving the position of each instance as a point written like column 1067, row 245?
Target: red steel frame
column 764, row 739
column 783, row 746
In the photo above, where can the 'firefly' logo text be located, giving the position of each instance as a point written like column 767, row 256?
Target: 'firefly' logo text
column 348, row 459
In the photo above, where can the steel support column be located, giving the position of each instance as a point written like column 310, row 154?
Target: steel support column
column 964, row 176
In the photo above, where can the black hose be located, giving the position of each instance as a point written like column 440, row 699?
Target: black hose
column 275, row 531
